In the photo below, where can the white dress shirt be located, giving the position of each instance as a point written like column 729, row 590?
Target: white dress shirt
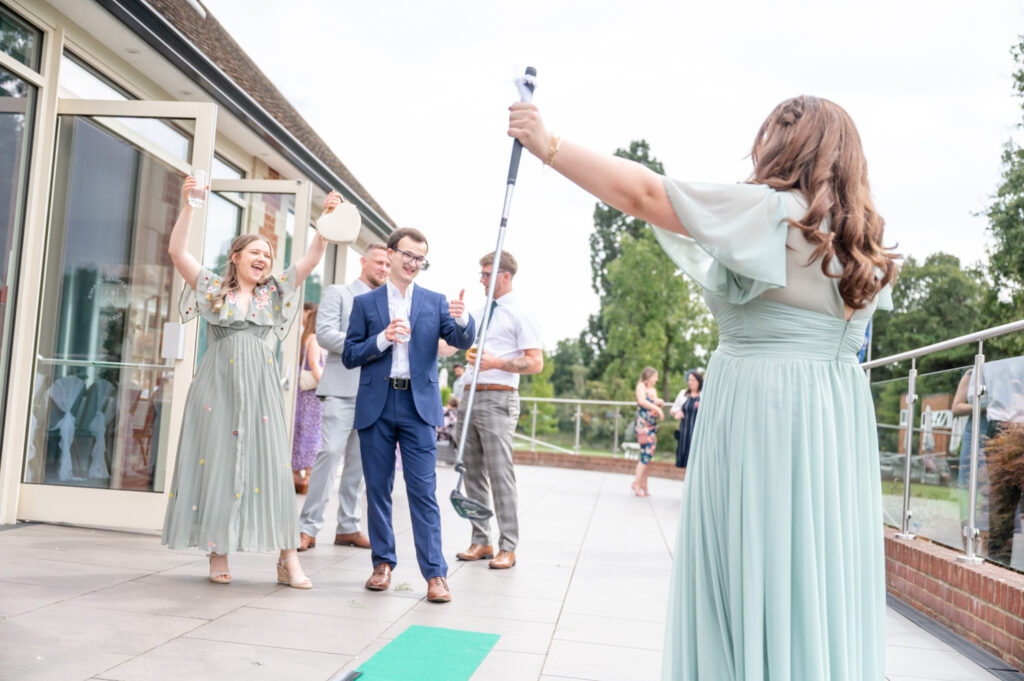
column 400, row 307
column 511, row 332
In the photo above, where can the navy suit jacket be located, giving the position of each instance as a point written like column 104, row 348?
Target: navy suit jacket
column 430, row 321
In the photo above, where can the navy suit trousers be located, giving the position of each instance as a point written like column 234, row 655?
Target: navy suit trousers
column 399, row 422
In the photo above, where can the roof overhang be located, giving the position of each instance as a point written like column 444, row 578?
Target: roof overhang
column 153, row 29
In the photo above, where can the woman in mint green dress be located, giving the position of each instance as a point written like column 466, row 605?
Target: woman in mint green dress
column 779, row 568
column 232, row 488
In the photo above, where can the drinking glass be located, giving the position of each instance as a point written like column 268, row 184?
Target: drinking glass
column 197, row 195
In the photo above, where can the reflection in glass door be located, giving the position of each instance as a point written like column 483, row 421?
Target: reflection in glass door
column 100, row 407
column 17, row 112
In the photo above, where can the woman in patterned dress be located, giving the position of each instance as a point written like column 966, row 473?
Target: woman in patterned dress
column 308, row 408
column 232, row 487
column 648, row 414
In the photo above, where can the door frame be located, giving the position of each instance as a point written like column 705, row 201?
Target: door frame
column 123, row 509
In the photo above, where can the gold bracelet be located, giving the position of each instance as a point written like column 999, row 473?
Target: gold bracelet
column 553, row 147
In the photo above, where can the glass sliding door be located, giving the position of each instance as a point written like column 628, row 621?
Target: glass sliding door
column 17, row 114
column 107, row 397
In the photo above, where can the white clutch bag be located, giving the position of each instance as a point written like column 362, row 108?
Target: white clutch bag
column 340, row 226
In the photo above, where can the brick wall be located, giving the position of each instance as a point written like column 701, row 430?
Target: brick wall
column 659, row 469
column 983, row 603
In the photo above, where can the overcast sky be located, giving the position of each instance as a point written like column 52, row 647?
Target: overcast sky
column 413, row 98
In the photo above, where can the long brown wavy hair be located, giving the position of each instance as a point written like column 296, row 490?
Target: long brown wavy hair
column 229, row 284
column 811, row 145
column 309, row 325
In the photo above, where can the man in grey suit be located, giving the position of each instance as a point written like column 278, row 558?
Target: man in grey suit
column 338, row 388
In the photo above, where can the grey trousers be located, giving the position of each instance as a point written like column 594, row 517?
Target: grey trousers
column 338, row 438
column 490, row 475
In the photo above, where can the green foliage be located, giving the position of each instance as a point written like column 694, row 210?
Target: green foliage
column 933, row 301
column 1004, row 301
column 611, row 225
column 539, row 385
column 446, row 394
column 652, row 316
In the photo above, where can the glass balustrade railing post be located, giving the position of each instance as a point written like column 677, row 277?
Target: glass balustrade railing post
column 533, row 429
column 615, row 435
column 971, row 556
column 905, row 532
column 579, row 417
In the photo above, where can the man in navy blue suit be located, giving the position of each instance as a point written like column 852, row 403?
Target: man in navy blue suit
column 393, row 336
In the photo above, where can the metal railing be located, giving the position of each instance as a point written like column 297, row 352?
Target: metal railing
column 577, row 418
column 978, row 389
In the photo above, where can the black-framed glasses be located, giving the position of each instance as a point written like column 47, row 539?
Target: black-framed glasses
column 408, row 258
column 487, row 275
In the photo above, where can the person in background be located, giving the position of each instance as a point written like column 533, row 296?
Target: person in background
column 512, row 348
column 648, row 415
column 308, row 410
column 685, row 409
column 459, row 384
column 393, row 335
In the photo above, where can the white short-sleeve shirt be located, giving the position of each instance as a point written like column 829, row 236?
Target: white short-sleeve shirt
column 513, row 330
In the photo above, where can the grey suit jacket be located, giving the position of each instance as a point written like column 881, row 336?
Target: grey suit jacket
column 331, row 327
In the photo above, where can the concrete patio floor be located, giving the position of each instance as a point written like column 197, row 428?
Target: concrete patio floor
column 586, row 601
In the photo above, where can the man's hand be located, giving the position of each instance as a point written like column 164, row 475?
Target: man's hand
column 457, row 308
column 489, row 361
column 397, row 328
column 332, row 201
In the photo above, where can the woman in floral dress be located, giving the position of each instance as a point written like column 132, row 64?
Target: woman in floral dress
column 309, row 409
column 232, row 487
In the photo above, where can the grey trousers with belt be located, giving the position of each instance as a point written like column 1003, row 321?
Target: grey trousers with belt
column 490, row 475
column 339, row 441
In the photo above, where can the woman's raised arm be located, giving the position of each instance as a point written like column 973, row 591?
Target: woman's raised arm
column 626, row 185
column 186, row 264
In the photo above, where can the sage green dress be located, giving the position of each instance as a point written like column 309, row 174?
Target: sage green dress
column 232, row 488
column 778, row 570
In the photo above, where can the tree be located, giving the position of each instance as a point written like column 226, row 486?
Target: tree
column 933, row 301
column 1004, row 299
column 610, row 225
column 539, row 385
column 1006, row 213
column 653, row 315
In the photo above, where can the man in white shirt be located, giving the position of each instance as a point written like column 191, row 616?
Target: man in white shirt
column 513, row 347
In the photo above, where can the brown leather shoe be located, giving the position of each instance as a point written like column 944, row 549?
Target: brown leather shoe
column 437, row 590
column 306, row 541
column 380, row 579
column 357, row 539
column 503, row 561
column 476, row 552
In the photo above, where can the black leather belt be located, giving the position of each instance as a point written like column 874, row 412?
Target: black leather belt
column 399, row 383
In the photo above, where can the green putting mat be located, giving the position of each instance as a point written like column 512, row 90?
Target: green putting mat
column 429, row 654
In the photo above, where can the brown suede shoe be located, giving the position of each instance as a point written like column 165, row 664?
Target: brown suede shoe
column 380, row 579
column 503, row 561
column 476, row 552
column 437, row 590
column 357, row 539
column 306, row 541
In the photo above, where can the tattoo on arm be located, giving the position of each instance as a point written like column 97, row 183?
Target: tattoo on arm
column 516, row 365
